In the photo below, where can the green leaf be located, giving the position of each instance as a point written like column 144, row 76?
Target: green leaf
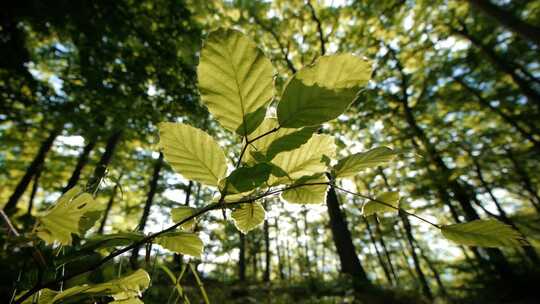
column 256, row 151
column 112, row 240
column 352, row 164
column 484, row 233
column 248, row 216
column 46, row 296
column 178, row 214
column 323, row 91
column 390, row 198
column 302, row 105
column 290, row 141
column 181, row 242
column 65, row 217
column 193, row 153
column 122, row 290
column 307, row 160
column 235, row 80
column 248, row 178
column 308, row 194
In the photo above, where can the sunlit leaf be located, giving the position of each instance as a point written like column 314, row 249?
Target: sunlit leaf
column 182, row 242
column 65, row 217
column 192, row 153
column 248, row 216
column 247, row 178
column 112, row 240
column 235, row 80
column 178, row 214
column 307, row 160
column 323, row 91
column 390, row 198
column 353, row 164
column 484, row 233
column 308, row 194
column 122, row 290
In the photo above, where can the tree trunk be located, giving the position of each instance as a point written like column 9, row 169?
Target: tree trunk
column 306, row 240
column 350, row 264
column 279, row 253
column 147, row 205
column 378, row 253
column 35, row 187
column 386, row 252
column 410, row 239
column 526, row 181
column 101, row 168
column 242, row 258
column 31, row 170
column 266, row 276
column 107, row 211
column 525, row 30
column 442, row 289
column 81, row 163
column 504, row 66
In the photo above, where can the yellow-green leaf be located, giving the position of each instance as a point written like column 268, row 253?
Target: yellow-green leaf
column 308, row 194
column 192, row 153
column 248, row 216
column 353, row 164
column 323, row 91
column 182, row 242
column 307, row 160
column 122, row 290
column 178, row 214
column 390, row 198
column 235, row 80
column 65, row 217
column 484, row 233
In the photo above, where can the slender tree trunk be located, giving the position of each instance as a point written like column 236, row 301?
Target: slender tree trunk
column 31, row 170
column 527, row 31
column 147, row 205
column 289, row 267
column 106, row 158
column 242, row 258
column 350, row 264
column 410, row 239
column 378, row 253
column 507, row 118
column 529, row 250
column 504, row 66
column 436, row 275
column 386, row 252
column 279, row 253
column 266, row 276
column 306, row 245
column 107, row 211
column 526, row 181
column 81, row 163
column 35, row 187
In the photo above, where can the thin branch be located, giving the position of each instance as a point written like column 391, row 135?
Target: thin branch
column 10, row 226
column 319, row 27
column 151, row 237
column 388, row 205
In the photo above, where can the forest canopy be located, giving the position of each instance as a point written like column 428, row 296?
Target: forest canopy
column 180, row 151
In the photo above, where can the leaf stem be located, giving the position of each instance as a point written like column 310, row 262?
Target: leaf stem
column 388, row 205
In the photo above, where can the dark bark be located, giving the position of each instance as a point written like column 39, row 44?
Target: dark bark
column 350, row 264
column 107, row 211
column 386, row 252
column 503, row 216
column 502, row 65
column 526, row 181
column 378, row 253
column 527, row 31
column 35, row 187
column 279, row 253
column 507, row 118
column 148, row 205
column 31, row 170
column 242, row 258
column 410, row 239
column 306, row 246
column 81, row 163
column 188, row 193
column 434, row 271
column 267, row 261
column 106, row 158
